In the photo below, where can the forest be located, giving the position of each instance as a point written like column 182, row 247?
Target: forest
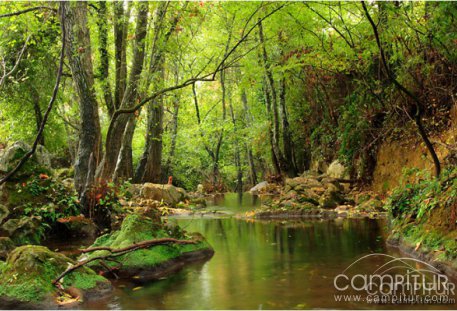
column 283, row 134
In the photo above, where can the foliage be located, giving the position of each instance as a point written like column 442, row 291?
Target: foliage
column 49, row 199
column 339, row 102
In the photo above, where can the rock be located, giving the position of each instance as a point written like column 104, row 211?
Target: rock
column 266, row 198
column 168, row 193
column 4, row 212
column 150, row 211
column 25, row 230
column 371, row 205
column 39, row 163
column 79, row 226
column 337, row 170
column 331, row 198
column 154, row 262
column 197, row 202
column 200, row 188
column 319, row 166
column 27, row 275
column 259, row 187
column 6, row 246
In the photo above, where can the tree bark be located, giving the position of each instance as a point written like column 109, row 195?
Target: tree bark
column 153, row 169
column 174, row 135
column 103, row 69
column 272, row 106
column 38, row 114
column 120, row 50
column 115, row 136
column 286, row 136
column 79, row 58
column 237, row 156
column 249, row 121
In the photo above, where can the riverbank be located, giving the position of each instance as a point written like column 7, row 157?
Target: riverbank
column 314, row 195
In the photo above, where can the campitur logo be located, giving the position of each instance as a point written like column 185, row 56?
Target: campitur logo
column 395, row 281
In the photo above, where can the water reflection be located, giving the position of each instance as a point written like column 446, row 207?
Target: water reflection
column 234, row 202
column 261, row 264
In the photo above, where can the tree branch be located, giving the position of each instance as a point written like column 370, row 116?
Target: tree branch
column 206, row 78
column 28, row 10
column 21, row 53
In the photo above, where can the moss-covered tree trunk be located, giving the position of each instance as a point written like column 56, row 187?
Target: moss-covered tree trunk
column 78, row 53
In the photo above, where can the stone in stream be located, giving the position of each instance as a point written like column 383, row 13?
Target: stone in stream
column 301, row 195
column 259, row 187
column 153, row 262
column 168, row 193
column 26, row 280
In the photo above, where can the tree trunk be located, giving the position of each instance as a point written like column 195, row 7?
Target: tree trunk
column 103, row 69
column 120, row 50
column 249, row 121
column 174, row 135
column 115, row 135
column 272, row 106
column 153, row 167
column 155, row 67
column 124, row 165
column 38, row 114
column 79, row 59
column 239, row 170
column 286, row 136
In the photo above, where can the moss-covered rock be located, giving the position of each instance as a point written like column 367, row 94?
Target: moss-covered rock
column 153, row 262
column 27, row 275
column 24, row 230
column 6, row 246
column 167, row 193
column 40, row 162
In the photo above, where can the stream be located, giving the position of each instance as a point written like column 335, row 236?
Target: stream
column 261, row 264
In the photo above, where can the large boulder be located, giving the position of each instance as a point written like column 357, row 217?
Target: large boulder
column 168, row 193
column 39, row 163
column 259, row 187
column 153, row 262
column 24, row 230
column 26, row 280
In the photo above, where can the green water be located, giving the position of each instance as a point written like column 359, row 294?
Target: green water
column 261, row 265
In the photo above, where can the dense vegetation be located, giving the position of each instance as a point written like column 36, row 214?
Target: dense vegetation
column 222, row 93
column 99, row 98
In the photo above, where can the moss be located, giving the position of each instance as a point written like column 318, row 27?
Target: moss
column 83, row 280
column 29, row 271
column 137, row 228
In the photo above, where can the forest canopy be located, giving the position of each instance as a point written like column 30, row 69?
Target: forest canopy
column 220, row 93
